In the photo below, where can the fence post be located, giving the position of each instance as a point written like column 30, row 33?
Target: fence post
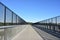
column 12, row 18
column 5, row 16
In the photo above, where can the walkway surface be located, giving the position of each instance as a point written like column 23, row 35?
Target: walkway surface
column 45, row 35
column 28, row 33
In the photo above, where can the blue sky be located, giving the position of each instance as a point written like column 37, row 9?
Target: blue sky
column 34, row 10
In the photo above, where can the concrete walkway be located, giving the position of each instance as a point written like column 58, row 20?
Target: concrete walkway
column 45, row 35
column 28, row 33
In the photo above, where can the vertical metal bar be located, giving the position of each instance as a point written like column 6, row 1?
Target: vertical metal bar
column 56, row 20
column 47, row 22
column 52, row 22
column 16, row 19
column 5, row 16
column 12, row 18
column 5, row 36
column 56, row 24
column 49, row 25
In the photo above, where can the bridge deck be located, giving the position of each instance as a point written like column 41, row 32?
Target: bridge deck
column 28, row 33
column 45, row 35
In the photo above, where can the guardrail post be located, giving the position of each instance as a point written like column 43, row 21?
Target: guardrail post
column 12, row 18
column 5, row 16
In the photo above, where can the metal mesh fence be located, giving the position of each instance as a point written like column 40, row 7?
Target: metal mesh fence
column 8, row 17
column 1, row 14
column 52, row 23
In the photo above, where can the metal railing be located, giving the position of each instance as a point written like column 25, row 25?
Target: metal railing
column 53, row 23
column 50, row 26
column 8, row 17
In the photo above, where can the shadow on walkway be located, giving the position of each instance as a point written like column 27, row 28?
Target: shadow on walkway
column 52, row 32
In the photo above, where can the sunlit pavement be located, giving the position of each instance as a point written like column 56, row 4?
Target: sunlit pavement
column 28, row 33
column 45, row 35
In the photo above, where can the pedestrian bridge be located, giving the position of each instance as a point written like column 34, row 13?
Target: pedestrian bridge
column 19, row 32
column 13, row 27
column 25, row 32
